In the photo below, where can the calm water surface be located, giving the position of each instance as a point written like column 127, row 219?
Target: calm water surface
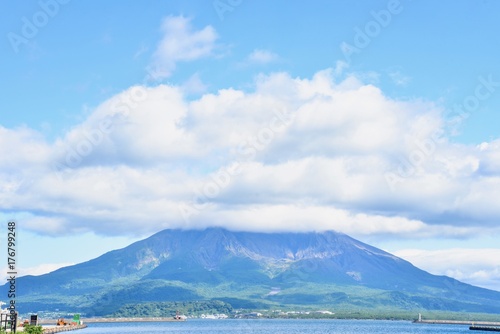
column 195, row 326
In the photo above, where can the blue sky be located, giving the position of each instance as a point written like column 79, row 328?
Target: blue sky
column 375, row 118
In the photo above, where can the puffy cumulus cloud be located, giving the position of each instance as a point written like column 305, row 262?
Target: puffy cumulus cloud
column 490, row 162
column 22, row 147
column 139, row 125
column 24, row 157
column 180, row 42
column 479, row 267
column 292, row 154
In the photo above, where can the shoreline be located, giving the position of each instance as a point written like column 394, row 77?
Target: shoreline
column 52, row 322
column 54, row 329
column 104, row 320
column 57, row 329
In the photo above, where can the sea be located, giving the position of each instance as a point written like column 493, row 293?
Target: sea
column 273, row 326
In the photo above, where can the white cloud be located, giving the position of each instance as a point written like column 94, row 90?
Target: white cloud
column 310, row 217
column 479, row 267
column 260, row 56
column 399, row 78
column 295, row 153
column 22, row 147
column 181, row 42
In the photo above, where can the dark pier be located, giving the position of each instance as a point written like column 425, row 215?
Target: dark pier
column 484, row 328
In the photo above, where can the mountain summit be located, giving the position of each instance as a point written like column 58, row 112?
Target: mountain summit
column 250, row 270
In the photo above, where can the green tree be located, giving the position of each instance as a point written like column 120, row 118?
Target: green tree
column 31, row 329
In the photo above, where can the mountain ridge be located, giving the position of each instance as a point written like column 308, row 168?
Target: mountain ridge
column 266, row 269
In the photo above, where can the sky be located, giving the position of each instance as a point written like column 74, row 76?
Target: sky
column 378, row 119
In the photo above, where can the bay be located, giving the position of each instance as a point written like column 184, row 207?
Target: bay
column 274, row 326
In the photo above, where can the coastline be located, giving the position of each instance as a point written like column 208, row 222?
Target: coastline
column 55, row 329
column 104, row 320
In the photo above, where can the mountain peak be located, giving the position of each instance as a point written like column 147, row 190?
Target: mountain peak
column 300, row 268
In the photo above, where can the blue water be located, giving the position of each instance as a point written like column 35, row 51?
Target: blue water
column 264, row 326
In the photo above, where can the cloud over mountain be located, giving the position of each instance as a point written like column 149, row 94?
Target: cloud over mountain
column 290, row 154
